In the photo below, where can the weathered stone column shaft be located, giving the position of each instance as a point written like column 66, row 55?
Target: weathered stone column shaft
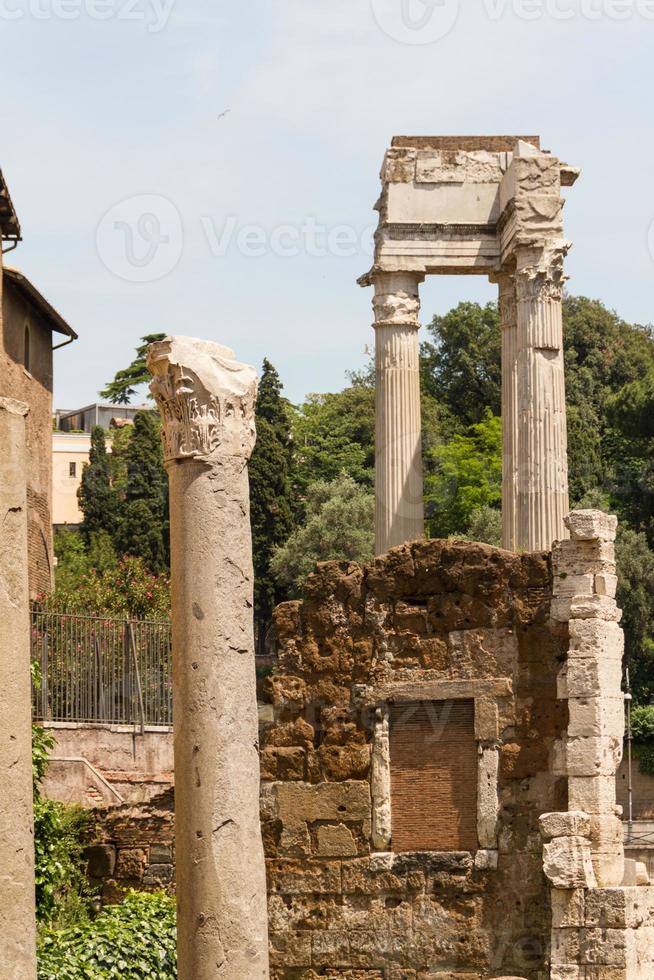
column 509, row 328
column 207, row 403
column 542, row 471
column 399, row 508
column 17, row 899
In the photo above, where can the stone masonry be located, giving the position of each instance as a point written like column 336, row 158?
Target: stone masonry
column 432, row 621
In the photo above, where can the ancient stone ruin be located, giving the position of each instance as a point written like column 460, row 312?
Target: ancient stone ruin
column 206, row 399
column 474, row 205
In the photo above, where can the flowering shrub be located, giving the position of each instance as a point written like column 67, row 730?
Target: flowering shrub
column 125, row 588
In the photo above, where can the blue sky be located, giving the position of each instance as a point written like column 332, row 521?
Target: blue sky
column 99, row 112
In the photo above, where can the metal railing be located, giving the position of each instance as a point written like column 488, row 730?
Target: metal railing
column 94, row 669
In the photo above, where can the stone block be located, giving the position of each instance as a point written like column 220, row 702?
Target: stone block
column 161, row 854
column 305, row 877
column 568, row 908
column 606, row 832
column 589, row 525
column 569, row 585
column 593, row 678
column 336, row 841
column 642, row 874
column 298, row 804
column 487, row 798
column 567, row 863
column 601, row 716
column 595, row 639
column 564, row 608
column 486, row 860
column 131, row 863
column 606, row 584
column 605, row 947
column 593, row 756
column 486, row 719
column 583, row 557
column 571, row 823
column 283, row 763
column 608, row 866
column 158, row 875
column 101, row 859
column 290, row 949
column 592, row 794
column 330, row 948
column 629, row 877
column 566, row 946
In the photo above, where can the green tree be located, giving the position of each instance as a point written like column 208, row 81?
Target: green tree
column 97, row 498
column 635, row 561
column 631, row 442
column 339, row 525
column 143, row 528
column 461, row 364
column 335, row 433
column 271, row 494
column 464, row 474
column 122, row 388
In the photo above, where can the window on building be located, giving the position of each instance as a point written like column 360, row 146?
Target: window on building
column 27, row 359
column 433, row 776
column 72, row 469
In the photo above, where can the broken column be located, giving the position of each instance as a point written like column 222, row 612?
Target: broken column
column 399, row 508
column 17, row 899
column 207, row 400
column 591, row 681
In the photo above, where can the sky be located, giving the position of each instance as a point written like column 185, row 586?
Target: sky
column 209, row 167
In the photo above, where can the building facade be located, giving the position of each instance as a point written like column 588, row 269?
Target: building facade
column 30, row 330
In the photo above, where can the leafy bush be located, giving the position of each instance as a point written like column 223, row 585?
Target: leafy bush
column 132, row 941
column 642, row 724
column 62, row 891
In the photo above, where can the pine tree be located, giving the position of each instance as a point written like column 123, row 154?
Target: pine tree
column 143, row 529
column 271, row 496
column 97, row 498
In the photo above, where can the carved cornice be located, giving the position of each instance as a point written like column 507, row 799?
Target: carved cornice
column 206, row 399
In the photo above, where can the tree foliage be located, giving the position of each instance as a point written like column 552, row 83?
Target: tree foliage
column 143, row 530
column 464, row 475
column 97, row 497
column 123, row 387
column 271, row 493
column 339, row 525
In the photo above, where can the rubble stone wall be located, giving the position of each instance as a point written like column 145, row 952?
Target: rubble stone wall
column 430, row 621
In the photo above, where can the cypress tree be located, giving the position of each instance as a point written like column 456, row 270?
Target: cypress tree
column 97, row 498
column 143, row 529
column 271, row 495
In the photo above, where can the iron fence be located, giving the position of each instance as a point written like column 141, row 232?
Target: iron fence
column 95, row 669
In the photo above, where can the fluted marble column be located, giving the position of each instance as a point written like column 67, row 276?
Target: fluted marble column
column 509, row 328
column 207, row 403
column 399, row 508
column 542, row 473
column 17, row 903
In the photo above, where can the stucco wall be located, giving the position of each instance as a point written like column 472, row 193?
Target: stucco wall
column 35, row 388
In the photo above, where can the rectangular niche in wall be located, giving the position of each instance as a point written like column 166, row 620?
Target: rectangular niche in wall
column 433, row 776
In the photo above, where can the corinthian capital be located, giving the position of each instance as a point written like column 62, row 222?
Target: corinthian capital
column 539, row 273
column 206, row 399
column 397, row 298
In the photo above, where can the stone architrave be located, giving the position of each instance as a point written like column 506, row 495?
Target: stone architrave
column 399, row 509
column 17, row 901
column 207, row 400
